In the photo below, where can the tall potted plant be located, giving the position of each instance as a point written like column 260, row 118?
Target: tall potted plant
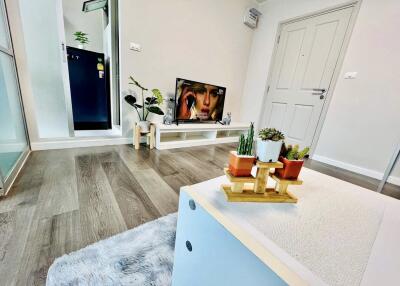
column 293, row 160
column 269, row 144
column 148, row 105
column 81, row 38
column 242, row 160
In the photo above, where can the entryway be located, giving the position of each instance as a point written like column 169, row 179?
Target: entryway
column 306, row 58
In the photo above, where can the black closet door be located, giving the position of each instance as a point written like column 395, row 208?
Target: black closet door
column 89, row 90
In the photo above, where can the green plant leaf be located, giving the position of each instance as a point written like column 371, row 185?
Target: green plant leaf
column 130, row 100
column 155, row 109
column 158, row 95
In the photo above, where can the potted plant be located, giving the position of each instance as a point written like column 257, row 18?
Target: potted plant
column 82, row 39
column 148, row 105
column 242, row 160
column 292, row 159
column 269, row 144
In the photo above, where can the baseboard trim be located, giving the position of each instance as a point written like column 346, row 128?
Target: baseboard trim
column 356, row 169
column 77, row 143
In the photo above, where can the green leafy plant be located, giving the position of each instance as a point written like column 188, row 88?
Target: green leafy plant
column 246, row 143
column 293, row 153
column 271, row 134
column 81, row 37
column 149, row 104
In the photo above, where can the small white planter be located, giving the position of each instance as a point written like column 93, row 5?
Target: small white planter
column 81, row 46
column 268, row 151
column 144, row 126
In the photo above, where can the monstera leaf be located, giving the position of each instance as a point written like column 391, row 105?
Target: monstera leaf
column 157, row 94
column 155, row 109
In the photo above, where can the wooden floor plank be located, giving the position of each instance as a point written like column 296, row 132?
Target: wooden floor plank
column 160, row 193
column 99, row 211
column 58, row 192
column 135, row 205
column 12, row 241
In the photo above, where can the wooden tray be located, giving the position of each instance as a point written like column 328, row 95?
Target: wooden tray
column 248, row 195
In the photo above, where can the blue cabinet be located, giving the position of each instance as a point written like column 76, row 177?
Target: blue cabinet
column 206, row 254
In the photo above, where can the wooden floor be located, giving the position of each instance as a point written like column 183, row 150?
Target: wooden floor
column 64, row 200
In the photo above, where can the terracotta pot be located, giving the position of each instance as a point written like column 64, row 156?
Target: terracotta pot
column 240, row 165
column 291, row 169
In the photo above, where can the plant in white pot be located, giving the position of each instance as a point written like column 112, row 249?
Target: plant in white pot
column 149, row 105
column 81, row 38
column 269, row 144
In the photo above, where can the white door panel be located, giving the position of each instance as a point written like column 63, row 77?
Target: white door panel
column 305, row 60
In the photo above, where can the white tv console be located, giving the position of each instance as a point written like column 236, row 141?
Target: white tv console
column 197, row 134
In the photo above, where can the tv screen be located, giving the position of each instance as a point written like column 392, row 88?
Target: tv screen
column 198, row 101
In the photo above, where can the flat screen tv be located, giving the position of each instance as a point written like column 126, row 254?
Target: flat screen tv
column 197, row 101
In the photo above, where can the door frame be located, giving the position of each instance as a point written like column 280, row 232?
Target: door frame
column 356, row 8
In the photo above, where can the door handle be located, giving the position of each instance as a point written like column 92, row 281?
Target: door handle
column 319, row 91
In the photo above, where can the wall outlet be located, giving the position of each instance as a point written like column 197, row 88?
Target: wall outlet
column 350, row 75
column 135, row 47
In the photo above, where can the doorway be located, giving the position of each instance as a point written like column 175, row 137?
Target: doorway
column 89, row 32
column 307, row 53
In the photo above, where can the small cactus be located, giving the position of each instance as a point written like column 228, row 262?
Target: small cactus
column 246, row 144
column 293, row 153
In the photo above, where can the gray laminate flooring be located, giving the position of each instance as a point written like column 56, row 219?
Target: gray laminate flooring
column 66, row 199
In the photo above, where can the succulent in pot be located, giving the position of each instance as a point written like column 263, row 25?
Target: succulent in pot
column 269, row 144
column 293, row 160
column 242, row 160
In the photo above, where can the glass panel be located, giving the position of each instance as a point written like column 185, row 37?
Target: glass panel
column 4, row 41
column 13, row 139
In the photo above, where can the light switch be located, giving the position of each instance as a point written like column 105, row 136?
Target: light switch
column 135, row 47
column 350, row 75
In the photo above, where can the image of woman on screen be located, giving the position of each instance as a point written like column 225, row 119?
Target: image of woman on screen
column 199, row 101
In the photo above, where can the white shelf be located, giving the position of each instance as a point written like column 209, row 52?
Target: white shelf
column 187, row 135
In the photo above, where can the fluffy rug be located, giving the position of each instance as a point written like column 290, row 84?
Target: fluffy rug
column 140, row 256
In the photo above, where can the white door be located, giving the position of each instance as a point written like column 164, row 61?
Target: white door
column 306, row 57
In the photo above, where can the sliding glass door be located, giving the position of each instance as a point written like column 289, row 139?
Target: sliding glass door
column 13, row 137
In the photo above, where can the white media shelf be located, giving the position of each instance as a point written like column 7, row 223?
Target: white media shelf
column 197, row 134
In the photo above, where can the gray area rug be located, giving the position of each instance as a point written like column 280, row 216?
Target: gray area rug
column 140, row 256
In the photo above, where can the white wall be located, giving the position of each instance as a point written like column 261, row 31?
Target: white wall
column 200, row 40
column 90, row 23
column 361, row 127
column 41, row 68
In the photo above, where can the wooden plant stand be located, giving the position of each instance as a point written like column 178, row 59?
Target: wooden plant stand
column 254, row 189
column 150, row 137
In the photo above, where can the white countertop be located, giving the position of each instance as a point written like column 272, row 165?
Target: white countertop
column 337, row 234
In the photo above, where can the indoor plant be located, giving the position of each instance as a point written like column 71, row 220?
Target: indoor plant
column 148, row 105
column 292, row 159
column 82, row 38
column 242, row 160
column 269, row 143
